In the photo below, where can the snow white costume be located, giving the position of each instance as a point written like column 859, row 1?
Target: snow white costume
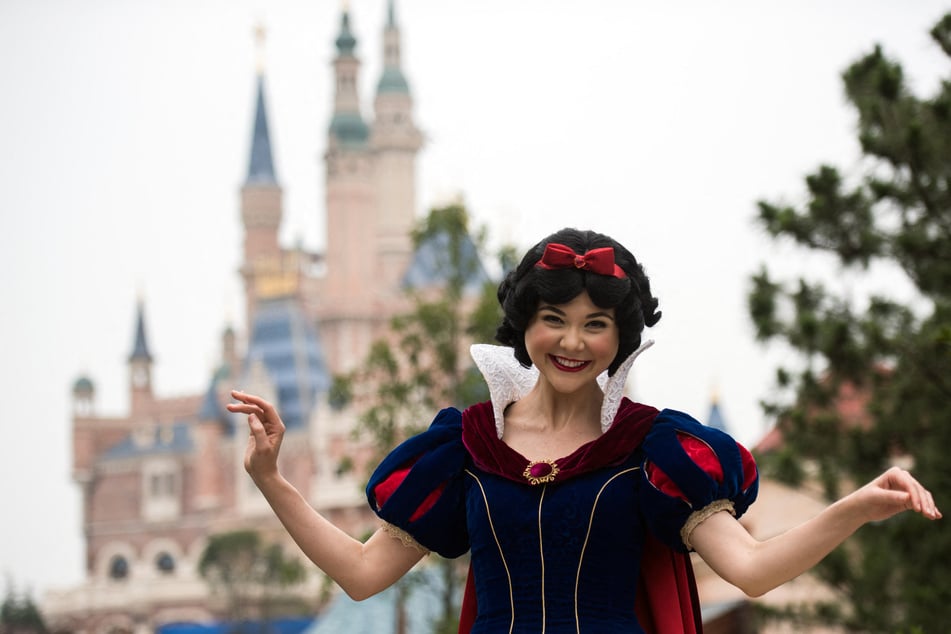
column 593, row 542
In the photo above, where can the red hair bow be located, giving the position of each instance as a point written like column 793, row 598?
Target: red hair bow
column 600, row 261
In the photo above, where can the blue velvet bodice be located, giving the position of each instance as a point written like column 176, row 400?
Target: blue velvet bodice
column 562, row 556
column 555, row 557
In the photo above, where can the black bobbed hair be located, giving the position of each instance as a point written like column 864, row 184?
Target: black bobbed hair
column 528, row 285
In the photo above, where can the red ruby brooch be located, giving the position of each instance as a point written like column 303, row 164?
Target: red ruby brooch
column 540, row 471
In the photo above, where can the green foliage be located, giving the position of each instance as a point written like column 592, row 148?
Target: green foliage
column 253, row 576
column 340, row 393
column 894, row 358
column 18, row 613
column 424, row 365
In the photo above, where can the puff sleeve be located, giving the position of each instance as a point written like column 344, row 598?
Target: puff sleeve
column 419, row 488
column 691, row 471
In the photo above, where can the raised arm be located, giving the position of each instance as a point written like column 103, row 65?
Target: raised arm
column 757, row 567
column 361, row 569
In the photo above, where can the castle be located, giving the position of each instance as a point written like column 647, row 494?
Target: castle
column 155, row 484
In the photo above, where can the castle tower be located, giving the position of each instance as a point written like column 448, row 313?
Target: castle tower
column 140, row 369
column 348, row 313
column 396, row 141
column 261, row 201
column 212, row 429
column 715, row 417
column 84, row 397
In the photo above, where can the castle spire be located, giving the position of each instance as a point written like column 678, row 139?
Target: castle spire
column 140, row 346
column 396, row 141
column 261, row 164
column 140, row 366
column 347, row 126
column 392, row 79
column 261, row 196
column 715, row 418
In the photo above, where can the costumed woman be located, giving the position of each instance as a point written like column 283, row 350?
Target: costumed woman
column 578, row 505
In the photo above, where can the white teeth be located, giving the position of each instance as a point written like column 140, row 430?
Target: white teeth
column 569, row 363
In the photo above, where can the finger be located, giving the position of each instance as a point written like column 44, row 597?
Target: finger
column 921, row 496
column 931, row 509
column 267, row 410
column 251, row 398
column 242, row 408
column 901, row 480
column 257, row 431
column 914, row 491
column 898, row 500
column 920, row 499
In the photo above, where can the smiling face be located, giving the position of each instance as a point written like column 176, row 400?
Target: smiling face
column 571, row 344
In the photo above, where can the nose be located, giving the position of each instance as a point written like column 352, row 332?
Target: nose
column 572, row 340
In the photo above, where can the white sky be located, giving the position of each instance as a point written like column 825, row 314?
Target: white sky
column 124, row 134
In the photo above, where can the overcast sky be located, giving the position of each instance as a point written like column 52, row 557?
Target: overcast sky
column 124, row 139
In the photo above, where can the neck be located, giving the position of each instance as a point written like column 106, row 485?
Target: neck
column 546, row 409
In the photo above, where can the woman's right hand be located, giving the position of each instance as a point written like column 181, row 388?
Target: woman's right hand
column 267, row 433
column 361, row 569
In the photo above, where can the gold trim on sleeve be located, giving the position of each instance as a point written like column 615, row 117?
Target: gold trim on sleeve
column 404, row 537
column 697, row 517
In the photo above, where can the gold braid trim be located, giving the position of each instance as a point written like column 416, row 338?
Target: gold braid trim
column 697, row 517
column 404, row 537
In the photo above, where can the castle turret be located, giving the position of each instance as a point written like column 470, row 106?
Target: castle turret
column 261, row 200
column 715, row 417
column 84, row 397
column 350, row 315
column 396, row 141
column 140, row 368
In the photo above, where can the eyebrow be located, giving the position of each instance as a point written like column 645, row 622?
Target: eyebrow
column 599, row 313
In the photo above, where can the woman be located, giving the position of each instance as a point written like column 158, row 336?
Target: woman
column 578, row 505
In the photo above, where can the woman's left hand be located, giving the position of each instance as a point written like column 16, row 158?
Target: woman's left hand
column 894, row 491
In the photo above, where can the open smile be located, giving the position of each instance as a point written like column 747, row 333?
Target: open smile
column 568, row 365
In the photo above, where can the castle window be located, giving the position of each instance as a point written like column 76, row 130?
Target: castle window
column 165, row 563
column 162, row 485
column 118, row 568
column 161, row 489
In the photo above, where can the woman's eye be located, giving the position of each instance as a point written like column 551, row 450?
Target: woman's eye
column 597, row 325
column 551, row 319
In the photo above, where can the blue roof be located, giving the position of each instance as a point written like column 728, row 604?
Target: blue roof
column 159, row 442
column 430, row 265
column 715, row 418
column 346, row 43
column 140, row 347
column 212, row 409
column 291, row 625
column 261, row 164
column 349, row 128
column 289, row 346
column 83, row 384
column 392, row 80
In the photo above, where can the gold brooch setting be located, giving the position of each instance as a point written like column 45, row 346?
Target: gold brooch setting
column 540, row 471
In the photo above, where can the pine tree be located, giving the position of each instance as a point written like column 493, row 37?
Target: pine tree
column 20, row 615
column 893, row 356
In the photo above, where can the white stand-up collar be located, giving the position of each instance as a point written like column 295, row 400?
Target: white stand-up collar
column 508, row 381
